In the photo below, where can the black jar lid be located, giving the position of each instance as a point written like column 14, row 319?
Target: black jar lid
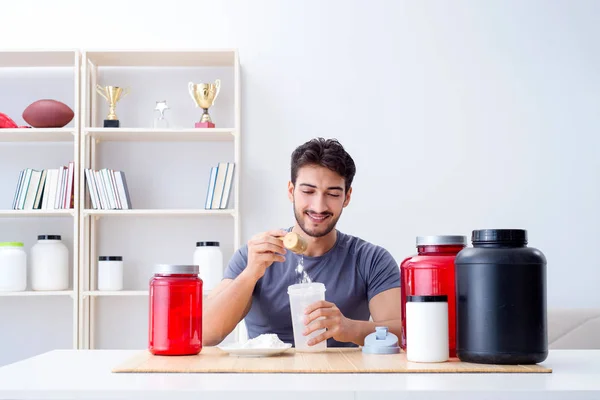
column 499, row 236
column 49, row 237
column 442, row 240
column 438, row 298
column 203, row 244
column 110, row 258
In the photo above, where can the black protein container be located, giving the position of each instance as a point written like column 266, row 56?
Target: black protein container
column 501, row 299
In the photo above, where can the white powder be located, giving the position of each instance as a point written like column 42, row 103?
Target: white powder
column 265, row 341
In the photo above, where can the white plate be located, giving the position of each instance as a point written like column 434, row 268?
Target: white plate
column 241, row 352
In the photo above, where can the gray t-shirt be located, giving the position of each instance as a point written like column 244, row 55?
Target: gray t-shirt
column 353, row 272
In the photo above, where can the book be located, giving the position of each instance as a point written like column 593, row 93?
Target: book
column 107, row 189
column 219, row 186
column 46, row 189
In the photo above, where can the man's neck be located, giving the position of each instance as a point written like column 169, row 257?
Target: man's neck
column 317, row 246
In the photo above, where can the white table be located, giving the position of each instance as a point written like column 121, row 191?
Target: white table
column 86, row 374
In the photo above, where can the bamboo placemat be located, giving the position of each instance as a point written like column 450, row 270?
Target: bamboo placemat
column 334, row 360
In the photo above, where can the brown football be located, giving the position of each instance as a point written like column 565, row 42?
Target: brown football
column 47, row 113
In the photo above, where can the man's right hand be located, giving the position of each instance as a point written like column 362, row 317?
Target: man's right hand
column 263, row 250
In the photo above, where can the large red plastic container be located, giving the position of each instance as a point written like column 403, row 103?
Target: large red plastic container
column 175, row 327
column 429, row 273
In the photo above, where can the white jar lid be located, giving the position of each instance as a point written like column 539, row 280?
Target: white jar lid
column 168, row 269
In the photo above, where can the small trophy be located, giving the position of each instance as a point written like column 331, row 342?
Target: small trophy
column 112, row 94
column 161, row 121
column 204, row 95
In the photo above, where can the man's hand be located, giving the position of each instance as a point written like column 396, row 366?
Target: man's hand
column 263, row 250
column 338, row 326
column 385, row 311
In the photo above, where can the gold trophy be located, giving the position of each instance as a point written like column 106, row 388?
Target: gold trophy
column 204, row 95
column 112, row 94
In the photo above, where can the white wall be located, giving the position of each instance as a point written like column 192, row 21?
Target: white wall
column 460, row 115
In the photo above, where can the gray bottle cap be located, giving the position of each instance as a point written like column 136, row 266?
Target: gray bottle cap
column 441, row 240
column 168, row 269
column 381, row 342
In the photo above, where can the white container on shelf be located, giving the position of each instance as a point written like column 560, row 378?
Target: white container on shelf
column 110, row 273
column 209, row 258
column 13, row 267
column 49, row 264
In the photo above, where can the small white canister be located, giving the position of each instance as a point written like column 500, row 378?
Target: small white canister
column 110, row 273
column 427, row 328
column 209, row 258
column 49, row 264
column 13, row 267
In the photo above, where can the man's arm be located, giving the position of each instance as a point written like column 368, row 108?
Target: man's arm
column 225, row 307
column 385, row 311
column 231, row 300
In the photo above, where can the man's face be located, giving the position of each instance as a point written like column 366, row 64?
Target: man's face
column 318, row 198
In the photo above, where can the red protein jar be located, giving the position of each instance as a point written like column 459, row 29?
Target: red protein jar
column 431, row 273
column 175, row 311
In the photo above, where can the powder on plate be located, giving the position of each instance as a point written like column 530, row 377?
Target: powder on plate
column 264, row 341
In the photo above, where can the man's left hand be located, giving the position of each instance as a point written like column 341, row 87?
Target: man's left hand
column 338, row 326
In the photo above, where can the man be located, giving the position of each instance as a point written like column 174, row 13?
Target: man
column 362, row 280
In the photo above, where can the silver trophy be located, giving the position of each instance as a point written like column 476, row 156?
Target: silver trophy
column 161, row 121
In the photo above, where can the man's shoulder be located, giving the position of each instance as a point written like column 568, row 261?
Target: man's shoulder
column 241, row 254
column 360, row 247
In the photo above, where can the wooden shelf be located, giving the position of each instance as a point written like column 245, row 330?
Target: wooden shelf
column 164, row 58
column 37, row 58
column 121, row 293
column 37, row 135
column 30, row 293
column 112, row 293
column 37, row 213
column 159, row 212
column 162, row 135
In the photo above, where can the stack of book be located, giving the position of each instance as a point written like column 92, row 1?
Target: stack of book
column 219, row 186
column 48, row 189
column 107, row 189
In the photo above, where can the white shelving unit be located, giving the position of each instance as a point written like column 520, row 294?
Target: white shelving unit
column 19, row 69
column 176, row 218
column 152, row 75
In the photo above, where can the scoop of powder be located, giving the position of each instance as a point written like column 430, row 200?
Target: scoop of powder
column 265, row 341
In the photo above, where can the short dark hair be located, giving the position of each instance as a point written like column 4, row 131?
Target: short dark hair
column 327, row 153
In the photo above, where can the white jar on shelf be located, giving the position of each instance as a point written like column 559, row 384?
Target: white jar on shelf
column 110, row 273
column 49, row 264
column 13, row 267
column 209, row 258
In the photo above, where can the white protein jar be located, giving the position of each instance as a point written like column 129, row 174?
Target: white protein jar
column 49, row 264
column 13, row 267
column 427, row 328
column 110, row 273
column 209, row 258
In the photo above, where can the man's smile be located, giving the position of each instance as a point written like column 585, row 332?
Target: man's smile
column 317, row 218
